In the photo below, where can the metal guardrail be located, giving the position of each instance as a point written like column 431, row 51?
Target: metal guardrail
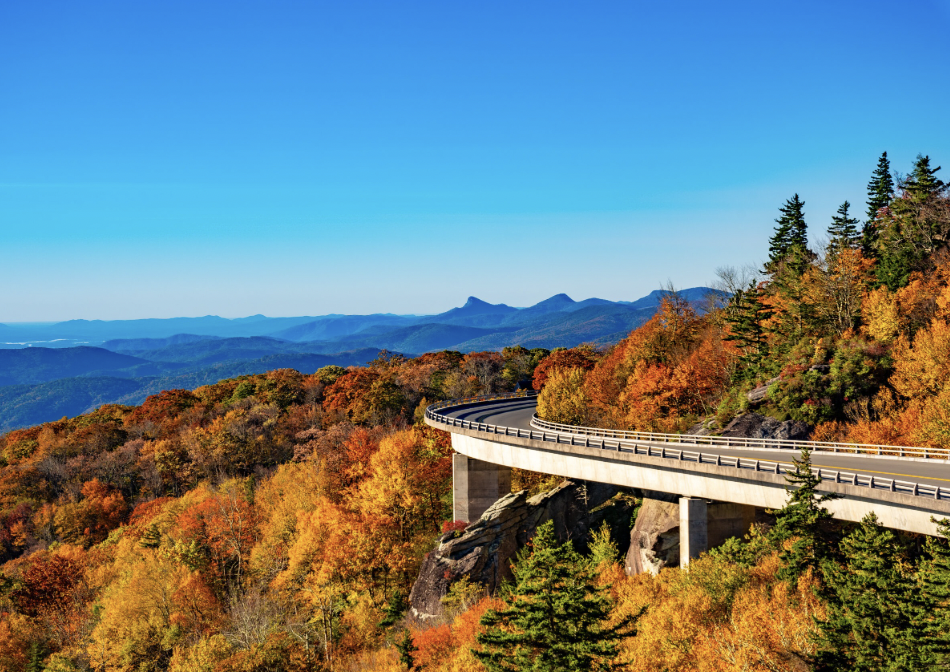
column 742, row 442
column 627, row 444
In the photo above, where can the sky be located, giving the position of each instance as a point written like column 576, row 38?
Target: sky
column 163, row 159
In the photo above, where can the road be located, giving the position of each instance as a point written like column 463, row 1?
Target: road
column 517, row 414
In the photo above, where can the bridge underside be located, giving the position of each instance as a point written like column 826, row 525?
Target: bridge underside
column 701, row 482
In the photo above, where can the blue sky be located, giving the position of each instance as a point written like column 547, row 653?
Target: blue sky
column 301, row 158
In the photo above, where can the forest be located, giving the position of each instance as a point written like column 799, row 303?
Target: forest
column 277, row 521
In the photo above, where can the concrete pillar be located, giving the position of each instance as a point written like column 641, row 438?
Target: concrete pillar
column 693, row 529
column 476, row 485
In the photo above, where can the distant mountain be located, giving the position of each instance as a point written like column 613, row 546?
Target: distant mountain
column 138, row 344
column 25, row 405
column 143, row 357
column 38, row 365
column 337, row 326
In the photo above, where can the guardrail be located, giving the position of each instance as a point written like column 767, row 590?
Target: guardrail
column 627, row 444
column 742, row 442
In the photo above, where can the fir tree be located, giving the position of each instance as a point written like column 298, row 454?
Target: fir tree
column 36, row 655
column 874, row 607
column 790, row 240
column 555, row 616
column 922, row 181
column 803, row 521
column 843, row 232
column 406, row 649
column 745, row 315
column 934, row 576
column 880, row 193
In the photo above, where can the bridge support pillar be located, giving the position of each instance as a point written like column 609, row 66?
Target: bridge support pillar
column 476, row 485
column 694, row 530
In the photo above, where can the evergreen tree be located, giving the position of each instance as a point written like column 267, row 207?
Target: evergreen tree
column 36, row 655
column 745, row 315
column 803, row 521
column 874, row 610
column 922, row 181
column 843, row 232
column 790, row 240
column 555, row 616
column 406, row 649
column 934, row 576
column 880, row 193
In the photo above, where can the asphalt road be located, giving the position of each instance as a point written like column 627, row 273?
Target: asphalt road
column 517, row 414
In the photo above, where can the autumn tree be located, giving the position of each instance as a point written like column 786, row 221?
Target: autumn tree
column 563, row 398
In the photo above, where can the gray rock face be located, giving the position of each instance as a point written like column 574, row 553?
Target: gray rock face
column 756, row 426
column 484, row 551
column 761, row 392
column 655, row 538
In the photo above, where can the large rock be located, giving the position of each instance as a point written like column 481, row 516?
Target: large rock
column 655, row 538
column 484, row 551
column 757, row 426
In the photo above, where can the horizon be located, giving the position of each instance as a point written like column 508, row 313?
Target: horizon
column 302, row 159
column 244, row 317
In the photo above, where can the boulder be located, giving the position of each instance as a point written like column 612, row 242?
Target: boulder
column 484, row 550
column 757, row 426
column 655, row 538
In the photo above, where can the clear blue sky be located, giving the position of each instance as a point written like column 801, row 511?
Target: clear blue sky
column 166, row 158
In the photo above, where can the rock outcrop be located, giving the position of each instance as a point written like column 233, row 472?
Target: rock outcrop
column 655, row 538
column 757, row 426
column 484, row 550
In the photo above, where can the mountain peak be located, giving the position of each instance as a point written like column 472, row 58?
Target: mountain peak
column 474, row 301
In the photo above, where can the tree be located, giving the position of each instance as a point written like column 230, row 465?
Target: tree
column 843, row 232
column 874, row 610
column 880, row 193
column 922, row 181
column 554, row 617
column 745, row 316
column 790, row 240
column 801, row 526
column 935, row 584
column 563, row 398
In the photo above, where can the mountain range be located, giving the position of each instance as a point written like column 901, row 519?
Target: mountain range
column 51, row 370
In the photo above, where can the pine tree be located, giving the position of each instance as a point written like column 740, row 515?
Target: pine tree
column 922, row 181
column 555, row 616
column 934, row 576
column 880, row 193
column 843, row 232
column 874, row 607
column 790, row 240
column 803, row 521
column 745, row 315
column 406, row 649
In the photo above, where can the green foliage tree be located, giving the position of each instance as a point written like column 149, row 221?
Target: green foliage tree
column 789, row 243
column 874, row 607
column 843, row 232
column 803, row 522
column 880, row 193
column 934, row 575
column 922, row 181
column 744, row 316
column 406, row 650
column 555, row 616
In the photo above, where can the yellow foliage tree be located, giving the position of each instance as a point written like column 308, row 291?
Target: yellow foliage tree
column 563, row 398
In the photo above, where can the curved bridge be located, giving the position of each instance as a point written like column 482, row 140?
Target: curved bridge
column 904, row 486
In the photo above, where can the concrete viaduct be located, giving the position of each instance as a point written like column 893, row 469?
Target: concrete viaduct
column 905, row 487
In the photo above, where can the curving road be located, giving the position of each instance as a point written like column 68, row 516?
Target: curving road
column 517, row 414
